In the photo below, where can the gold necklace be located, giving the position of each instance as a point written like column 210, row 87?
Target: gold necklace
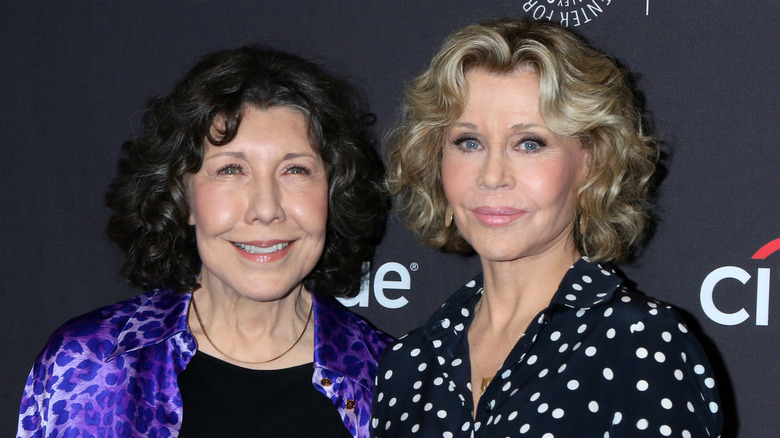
column 486, row 380
column 208, row 338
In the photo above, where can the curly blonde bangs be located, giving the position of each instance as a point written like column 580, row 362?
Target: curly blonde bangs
column 583, row 94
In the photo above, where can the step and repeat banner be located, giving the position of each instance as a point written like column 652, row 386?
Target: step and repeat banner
column 76, row 75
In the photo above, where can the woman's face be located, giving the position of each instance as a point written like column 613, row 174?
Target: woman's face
column 259, row 206
column 510, row 181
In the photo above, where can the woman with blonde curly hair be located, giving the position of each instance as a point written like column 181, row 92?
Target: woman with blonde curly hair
column 524, row 145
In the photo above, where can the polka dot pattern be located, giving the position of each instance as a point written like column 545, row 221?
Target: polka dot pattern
column 601, row 361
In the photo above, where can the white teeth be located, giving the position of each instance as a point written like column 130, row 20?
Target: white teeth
column 260, row 250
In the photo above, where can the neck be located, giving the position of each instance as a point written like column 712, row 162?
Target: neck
column 253, row 331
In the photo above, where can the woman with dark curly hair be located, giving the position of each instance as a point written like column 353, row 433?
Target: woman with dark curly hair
column 542, row 169
column 252, row 198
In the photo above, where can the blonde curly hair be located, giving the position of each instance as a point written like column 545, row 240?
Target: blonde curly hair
column 582, row 94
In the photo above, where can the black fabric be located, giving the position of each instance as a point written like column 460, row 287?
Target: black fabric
column 224, row 400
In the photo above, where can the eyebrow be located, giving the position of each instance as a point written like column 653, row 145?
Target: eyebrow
column 239, row 154
column 514, row 127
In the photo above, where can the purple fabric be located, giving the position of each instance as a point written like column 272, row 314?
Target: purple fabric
column 113, row 372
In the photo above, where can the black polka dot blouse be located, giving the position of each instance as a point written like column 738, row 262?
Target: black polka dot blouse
column 600, row 361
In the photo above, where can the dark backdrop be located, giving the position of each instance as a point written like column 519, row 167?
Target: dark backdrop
column 75, row 76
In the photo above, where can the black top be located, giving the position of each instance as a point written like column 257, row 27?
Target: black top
column 600, row 361
column 225, row 400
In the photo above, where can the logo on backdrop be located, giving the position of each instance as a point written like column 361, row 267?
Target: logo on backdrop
column 723, row 279
column 569, row 13
column 390, row 282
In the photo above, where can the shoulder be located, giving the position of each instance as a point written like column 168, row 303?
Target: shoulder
column 336, row 326
column 95, row 331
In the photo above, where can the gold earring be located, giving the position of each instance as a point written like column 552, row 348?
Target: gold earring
column 448, row 214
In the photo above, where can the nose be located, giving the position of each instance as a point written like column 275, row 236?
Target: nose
column 495, row 172
column 264, row 202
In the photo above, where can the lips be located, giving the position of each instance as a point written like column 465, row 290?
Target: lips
column 254, row 249
column 497, row 216
column 264, row 251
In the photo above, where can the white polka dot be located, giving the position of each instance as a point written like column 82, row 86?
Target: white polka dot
column 392, row 402
column 625, row 299
column 388, row 374
column 641, row 352
column 471, row 283
column 387, row 425
column 709, row 382
column 690, row 407
column 445, row 322
column 576, row 346
column 422, row 367
column 580, row 313
column 532, row 360
column 563, row 348
column 506, row 374
column 576, row 286
column 642, row 385
column 666, row 403
column 464, row 311
column 417, row 384
column 678, row 374
column 571, row 297
column 465, row 426
column 457, row 362
column 415, row 428
column 587, row 279
column 438, row 381
column 447, row 434
column 590, row 351
column 543, row 372
column 684, row 357
column 415, row 352
column 561, row 368
column 498, row 418
column 535, row 396
column 557, row 413
column 653, row 312
column 638, row 327
column 611, row 333
column 608, row 312
column 682, row 327
column 593, row 406
column 666, row 336
column 548, row 435
column 607, row 273
column 525, row 428
column 397, row 346
column 686, row 434
column 380, row 396
column 659, row 357
column 512, row 416
column 436, row 343
column 416, row 398
column 506, row 386
column 608, row 374
column 441, row 414
column 459, row 328
column 698, row 369
column 441, row 360
column 404, row 416
column 665, row 430
column 617, row 418
column 582, row 328
column 642, row 424
column 543, row 408
column 713, row 407
column 374, row 423
column 428, row 407
column 555, row 336
column 573, row 385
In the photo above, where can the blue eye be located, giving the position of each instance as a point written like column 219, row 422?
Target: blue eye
column 298, row 170
column 529, row 146
column 471, row 145
column 468, row 144
column 230, row 169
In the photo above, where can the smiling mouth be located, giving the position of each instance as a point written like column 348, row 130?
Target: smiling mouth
column 261, row 250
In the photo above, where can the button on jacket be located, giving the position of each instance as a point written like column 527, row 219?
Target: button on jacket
column 113, row 372
column 600, row 361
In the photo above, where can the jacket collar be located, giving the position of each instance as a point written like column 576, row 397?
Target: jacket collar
column 162, row 314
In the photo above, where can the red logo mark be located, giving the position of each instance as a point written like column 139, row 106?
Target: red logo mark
column 766, row 250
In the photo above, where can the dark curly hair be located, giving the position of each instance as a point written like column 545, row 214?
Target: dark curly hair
column 149, row 208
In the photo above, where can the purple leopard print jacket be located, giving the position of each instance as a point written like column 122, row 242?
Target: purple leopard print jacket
column 112, row 372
